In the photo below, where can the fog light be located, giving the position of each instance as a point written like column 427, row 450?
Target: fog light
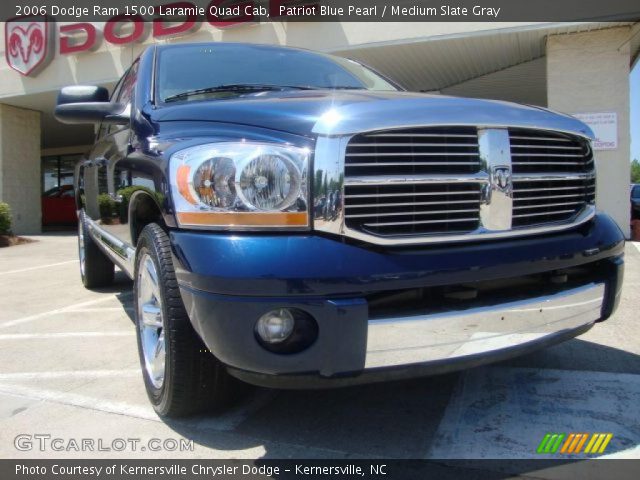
column 286, row 331
column 275, row 326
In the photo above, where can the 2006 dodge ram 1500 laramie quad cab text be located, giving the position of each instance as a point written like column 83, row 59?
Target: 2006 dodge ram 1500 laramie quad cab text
column 295, row 220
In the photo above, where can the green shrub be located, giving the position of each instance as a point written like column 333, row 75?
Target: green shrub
column 107, row 206
column 5, row 219
column 126, row 194
column 635, row 171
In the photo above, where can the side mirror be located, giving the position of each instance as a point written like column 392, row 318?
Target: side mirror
column 82, row 94
column 88, row 104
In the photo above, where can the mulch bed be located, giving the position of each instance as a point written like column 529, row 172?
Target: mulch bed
column 11, row 240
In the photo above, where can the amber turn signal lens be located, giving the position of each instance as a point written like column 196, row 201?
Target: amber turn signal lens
column 244, row 219
column 182, row 180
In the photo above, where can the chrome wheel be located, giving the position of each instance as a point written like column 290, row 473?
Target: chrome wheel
column 150, row 321
column 81, row 248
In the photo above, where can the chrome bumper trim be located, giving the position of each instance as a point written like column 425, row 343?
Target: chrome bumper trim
column 456, row 334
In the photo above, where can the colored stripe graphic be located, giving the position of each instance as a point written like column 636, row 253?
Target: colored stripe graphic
column 573, row 443
column 543, row 443
column 581, row 443
column 598, row 443
column 551, row 442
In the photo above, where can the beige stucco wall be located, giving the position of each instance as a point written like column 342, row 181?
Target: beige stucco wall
column 589, row 72
column 20, row 167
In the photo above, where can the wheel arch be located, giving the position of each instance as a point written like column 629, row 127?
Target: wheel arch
column 143, row 209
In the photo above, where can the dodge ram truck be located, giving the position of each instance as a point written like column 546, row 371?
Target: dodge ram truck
column 292, row 219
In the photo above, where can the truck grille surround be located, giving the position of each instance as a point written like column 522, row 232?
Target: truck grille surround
column 459, row 181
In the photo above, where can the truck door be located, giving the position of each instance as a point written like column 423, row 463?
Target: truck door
column 108, row 157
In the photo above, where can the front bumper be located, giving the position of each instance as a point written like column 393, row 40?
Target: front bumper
column 246, row 276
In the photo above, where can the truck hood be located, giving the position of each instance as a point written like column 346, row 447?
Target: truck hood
column 339, row 112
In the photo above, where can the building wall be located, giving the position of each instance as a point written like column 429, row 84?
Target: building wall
column 20, row 167
column 589, row 72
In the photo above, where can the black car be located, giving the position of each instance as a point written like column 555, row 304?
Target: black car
column 635, row 202
column 294, row 219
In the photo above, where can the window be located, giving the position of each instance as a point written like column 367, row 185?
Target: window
column 127, row 86
column 58, row 171
column 186, row 68
column 122, row 93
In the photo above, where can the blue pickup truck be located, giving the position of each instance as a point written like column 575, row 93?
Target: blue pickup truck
column 296, row 220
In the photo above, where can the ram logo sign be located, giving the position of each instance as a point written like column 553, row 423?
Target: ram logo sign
column 28, row 44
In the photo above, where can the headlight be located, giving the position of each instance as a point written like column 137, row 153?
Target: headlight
column 244, row 185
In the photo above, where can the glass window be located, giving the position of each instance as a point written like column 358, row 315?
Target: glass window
column 49, row 173
column 127, row 86
column 58, row 171
column 185, row 68
column 635, row 193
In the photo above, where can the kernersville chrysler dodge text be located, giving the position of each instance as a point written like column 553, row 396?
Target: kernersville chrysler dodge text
column 296, row 220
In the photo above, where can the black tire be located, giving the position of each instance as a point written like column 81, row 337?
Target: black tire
column 194, row 380
column 96, row 269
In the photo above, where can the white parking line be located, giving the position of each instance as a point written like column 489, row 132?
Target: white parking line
column 91, row 374
column 28, row 269
column 42, row 336
column 225, row 422
column 81, row 401
column 106, row 309
column 637, row 245
column 68, row 308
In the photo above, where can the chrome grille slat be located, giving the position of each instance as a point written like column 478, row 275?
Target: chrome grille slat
column 546, row 205
column 418, row 135
column 551, row 177
column 550, row 163
column 549, row 197
column 398, row 164
column 378, row 205
column 411, row 154
column 356, row 180
column 557, row 212
column 521, row 190
column 546, row 139
column 421, row 194
column 415, row 213
column 419, row 222
column 546, row 155
column 547, row 147
column 422, row 145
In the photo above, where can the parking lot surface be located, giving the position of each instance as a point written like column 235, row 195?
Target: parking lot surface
column 69, row 370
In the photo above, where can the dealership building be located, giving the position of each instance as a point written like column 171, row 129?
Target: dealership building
column 577, row 68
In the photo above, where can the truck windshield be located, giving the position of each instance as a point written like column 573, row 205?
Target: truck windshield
column 206, row 69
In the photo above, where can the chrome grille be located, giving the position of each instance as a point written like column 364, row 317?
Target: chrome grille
column 552, row 176
column 453, row 183
column 536, row 151
column 540, row 201
column 387, row 210
column 413, row 208
column 411, row 151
